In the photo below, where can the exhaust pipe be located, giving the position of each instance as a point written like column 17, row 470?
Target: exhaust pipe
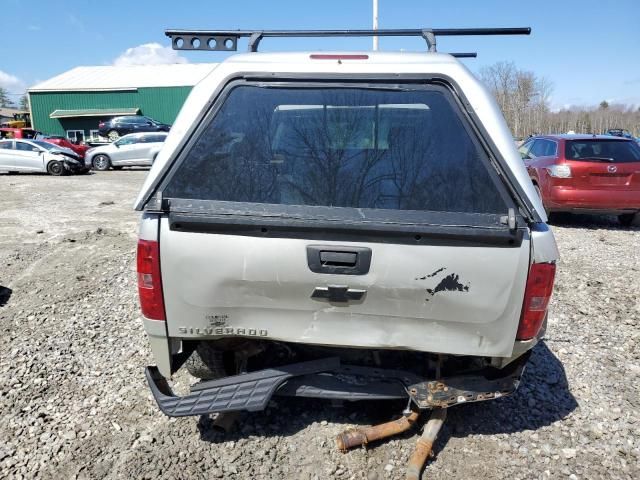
column 362, row 436
column 425, row 443
column 225, row 421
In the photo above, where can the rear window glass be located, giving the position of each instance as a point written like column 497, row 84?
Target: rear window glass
column 339, row 147
column 602, row 150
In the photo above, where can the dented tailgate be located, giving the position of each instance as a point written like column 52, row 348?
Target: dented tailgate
column 459, row 300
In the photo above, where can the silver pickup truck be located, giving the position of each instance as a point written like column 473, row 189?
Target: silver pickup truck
column 347, row 225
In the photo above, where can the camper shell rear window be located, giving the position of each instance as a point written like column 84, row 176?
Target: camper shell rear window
column 383, row 151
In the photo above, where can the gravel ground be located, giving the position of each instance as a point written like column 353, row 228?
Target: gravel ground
column 74, row 403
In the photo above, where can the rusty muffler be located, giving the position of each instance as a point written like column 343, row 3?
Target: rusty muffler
column 362, row 436
column 425, row 443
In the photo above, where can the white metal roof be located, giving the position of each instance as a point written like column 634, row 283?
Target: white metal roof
column 127, row 77
column 9, row 112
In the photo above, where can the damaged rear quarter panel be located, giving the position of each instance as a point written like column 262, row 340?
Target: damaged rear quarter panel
column 265, row 284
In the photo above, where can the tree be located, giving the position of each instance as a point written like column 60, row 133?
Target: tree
column 522, row 96
column 524, row 99
column 5, row 102
column 24, row 102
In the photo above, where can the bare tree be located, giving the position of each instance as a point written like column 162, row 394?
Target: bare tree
column 524, row 99
column 5, row 101
column 23, row 103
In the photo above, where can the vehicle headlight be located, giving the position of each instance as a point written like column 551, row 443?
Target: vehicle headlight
column 559, row 171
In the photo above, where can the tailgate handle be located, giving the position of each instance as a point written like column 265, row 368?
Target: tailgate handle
column 339, row 260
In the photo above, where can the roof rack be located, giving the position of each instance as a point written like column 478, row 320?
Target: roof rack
column 227, row 40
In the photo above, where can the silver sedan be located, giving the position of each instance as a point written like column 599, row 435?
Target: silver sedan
column 135, row 149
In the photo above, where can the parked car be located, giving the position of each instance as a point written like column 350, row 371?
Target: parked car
column 619, row 132
column 348, row 226
column 78, row 148
column 37, row 156
column 133, row 150
column 118, row 126
column 586, row 174
column 10, row 132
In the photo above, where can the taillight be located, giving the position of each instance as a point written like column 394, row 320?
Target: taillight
column 559, row 171
column 536, row 299
column 149, row 281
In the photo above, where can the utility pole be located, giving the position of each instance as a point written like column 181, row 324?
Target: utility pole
column 375, row 23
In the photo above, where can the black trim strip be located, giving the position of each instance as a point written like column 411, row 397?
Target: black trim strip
column 348, row 231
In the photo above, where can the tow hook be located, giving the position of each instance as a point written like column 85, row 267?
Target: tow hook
column 362, row 436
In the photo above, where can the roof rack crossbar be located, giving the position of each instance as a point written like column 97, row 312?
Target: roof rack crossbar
column 227, row 40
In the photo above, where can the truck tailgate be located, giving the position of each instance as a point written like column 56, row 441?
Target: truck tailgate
column 437, row 298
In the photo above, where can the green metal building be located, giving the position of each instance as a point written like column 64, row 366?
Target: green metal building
column 72, row 104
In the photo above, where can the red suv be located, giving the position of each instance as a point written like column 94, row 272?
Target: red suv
column 585, row 173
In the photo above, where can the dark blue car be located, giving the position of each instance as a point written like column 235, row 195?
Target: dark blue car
column 118, row 126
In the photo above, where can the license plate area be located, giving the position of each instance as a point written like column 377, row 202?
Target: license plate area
column 609, row 179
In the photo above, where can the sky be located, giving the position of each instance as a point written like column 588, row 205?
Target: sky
column 588, row 49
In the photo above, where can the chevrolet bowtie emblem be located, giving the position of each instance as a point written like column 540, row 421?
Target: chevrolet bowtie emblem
column 338, row 293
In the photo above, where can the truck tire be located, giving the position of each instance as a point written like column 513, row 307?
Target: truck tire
column 206, row 362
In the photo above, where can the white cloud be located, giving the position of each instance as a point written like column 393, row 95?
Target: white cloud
column 149, row 54
column 11, row 83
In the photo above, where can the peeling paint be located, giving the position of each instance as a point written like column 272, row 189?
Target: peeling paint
column 450, row 283
column 432, row 274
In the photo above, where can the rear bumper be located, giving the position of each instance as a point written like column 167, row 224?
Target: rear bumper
column 563, row 198
column 327, row 378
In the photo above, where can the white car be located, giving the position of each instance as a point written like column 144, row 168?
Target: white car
column 18, row 155
column 133, row 150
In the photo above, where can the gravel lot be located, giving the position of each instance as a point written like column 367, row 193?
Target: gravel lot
column 74, row 403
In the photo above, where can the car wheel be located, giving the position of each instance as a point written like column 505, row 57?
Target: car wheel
column 206, row 362
column 101, row 162
column 55, row 168
column 627, row 219
column 113, row 135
